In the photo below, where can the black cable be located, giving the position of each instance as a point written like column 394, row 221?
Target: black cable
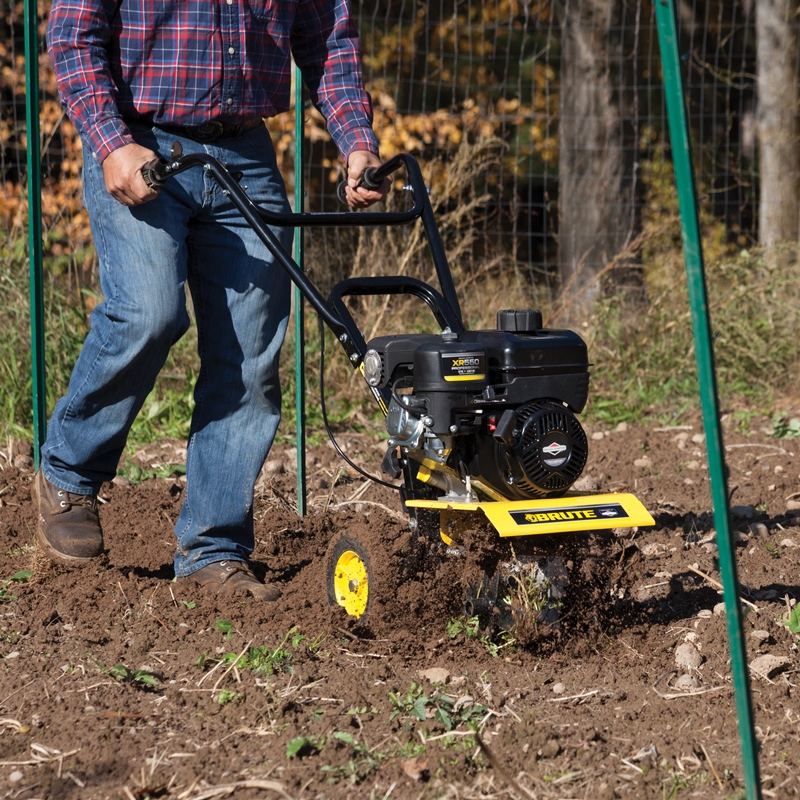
column 325, row 414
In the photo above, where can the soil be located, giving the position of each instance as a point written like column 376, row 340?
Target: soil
column 118, row 682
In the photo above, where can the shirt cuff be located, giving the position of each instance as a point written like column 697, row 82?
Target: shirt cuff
column 357, row 139
column 107, row 136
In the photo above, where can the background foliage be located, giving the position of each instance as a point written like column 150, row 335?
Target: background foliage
column 482, row 94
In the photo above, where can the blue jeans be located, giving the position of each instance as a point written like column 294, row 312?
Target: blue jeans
column 190, row 234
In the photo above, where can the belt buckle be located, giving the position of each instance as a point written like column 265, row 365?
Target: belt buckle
column 209, row 131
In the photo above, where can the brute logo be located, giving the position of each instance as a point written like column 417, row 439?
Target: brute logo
column 576, row 514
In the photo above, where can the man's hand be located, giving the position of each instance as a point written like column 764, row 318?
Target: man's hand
column 360, row 196
column 122, row 171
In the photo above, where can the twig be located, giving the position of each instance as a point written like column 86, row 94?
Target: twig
column 230, row 788
column 500, row 769
column 581, row 696
column 391, row 512
column 710, row 764
column 718, row 585
column 673, row 696
column 233, row 664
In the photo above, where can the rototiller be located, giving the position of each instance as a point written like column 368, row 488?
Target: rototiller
column 482, row 424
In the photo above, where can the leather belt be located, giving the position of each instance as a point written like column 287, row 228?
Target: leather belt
column 212, row 130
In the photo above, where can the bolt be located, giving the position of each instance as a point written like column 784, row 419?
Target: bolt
column 354, row 357
column 454, row 429
column 342, row 337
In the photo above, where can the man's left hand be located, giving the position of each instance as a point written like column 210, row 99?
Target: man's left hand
column 360, row 196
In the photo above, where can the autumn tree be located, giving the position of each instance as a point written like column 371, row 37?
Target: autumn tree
column 779, row 147
column 597, row 205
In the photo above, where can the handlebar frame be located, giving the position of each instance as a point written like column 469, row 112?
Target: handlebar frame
column 445, row 305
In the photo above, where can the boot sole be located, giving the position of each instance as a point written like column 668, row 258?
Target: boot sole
column 61, row 558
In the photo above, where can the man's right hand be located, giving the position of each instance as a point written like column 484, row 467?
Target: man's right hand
column 122, row 171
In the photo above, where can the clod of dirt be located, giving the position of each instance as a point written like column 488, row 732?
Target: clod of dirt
column 435, row 675
column 768, row 664
column 686, row 683
column 687, row 657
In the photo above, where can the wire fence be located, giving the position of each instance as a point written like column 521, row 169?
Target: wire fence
column 540, row 123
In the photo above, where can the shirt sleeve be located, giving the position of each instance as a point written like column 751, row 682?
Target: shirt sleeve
column 326, row 48
column 78, row 33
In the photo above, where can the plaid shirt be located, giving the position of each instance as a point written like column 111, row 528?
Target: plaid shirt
column 185, row 62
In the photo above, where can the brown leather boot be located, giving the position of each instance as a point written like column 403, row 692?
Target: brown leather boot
column 69, row 529
column 232, row 577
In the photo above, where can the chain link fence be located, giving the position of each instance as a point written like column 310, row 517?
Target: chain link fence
column 541, row 127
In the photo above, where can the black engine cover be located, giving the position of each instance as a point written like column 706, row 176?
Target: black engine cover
column 543, row 456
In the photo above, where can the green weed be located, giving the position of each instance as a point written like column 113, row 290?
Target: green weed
column 140, row 678
column 18, row 577
column 228, row 696
column 361, row 762
column 136, row 474
column 443, row 708
column 302, row 746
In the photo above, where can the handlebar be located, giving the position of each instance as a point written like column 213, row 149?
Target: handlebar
column 371, row 178
column 158, row 171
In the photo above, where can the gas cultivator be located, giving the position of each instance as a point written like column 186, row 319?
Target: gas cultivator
column 482, row 425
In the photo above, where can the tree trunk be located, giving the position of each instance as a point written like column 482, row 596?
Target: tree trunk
column 779, row 159
column 597, row 209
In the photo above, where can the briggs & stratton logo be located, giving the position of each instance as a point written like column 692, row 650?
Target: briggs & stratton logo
column 554, row 448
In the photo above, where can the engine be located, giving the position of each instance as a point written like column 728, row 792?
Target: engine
column 494, row 410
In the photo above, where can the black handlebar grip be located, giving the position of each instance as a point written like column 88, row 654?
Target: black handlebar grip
column 154, row 173
column 368, row 181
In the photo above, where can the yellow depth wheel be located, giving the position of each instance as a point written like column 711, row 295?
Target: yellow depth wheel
column 348, row 573
column 351, row 583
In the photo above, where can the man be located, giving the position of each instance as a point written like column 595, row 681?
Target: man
column 135, row 76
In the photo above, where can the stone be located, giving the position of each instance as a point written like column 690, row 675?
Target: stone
column 687, row 657
column 435, row 675
column 768, row 664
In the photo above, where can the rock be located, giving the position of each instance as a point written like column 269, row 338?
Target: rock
column 551, row 748
column 644, row 461
column 758, row 529
column 768, row 664
column 788, row 543
column 559, row 688
column 705, row 613
column 687, row 657
column 598, row 435
column 16, row 776
column 719, row 610
column 121, row 480
column 760, row 636
column 686, row 683
column 652, row 549
column 274, row 467
column 435, row 675
column 622, row 427
column 586, row 484
column 793, row 505
column 693, row 464
column 699, row 438
column 23, row 463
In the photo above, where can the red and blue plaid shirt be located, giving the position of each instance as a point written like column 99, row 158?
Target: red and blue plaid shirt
column 186, row 62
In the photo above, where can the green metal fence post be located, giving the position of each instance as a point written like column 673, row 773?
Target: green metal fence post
column 299, row 309
column 35, row 226
column 695, row 275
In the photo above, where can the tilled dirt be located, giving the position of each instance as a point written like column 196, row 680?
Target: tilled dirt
column 118, row 682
